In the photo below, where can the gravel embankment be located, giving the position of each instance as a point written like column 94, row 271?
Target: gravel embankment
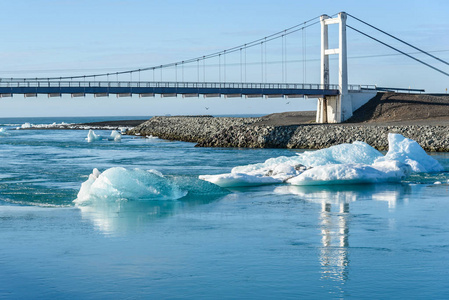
column 187, row 128
column 242, row 132
column 423, row 118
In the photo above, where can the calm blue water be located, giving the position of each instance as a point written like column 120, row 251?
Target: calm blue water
column 271, row 242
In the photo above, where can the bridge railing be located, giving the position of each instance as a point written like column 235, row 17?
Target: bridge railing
column 201, row 85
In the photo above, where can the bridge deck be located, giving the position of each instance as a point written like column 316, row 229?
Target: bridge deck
column 206, row 88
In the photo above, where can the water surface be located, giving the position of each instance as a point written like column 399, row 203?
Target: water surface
column 278, row 241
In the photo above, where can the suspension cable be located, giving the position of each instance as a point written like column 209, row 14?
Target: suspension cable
column 402, row 52
column 398, row 39
column 254, row 43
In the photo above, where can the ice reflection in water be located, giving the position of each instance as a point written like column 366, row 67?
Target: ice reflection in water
column 335, row 241
column 335, row 220
column 115, row 218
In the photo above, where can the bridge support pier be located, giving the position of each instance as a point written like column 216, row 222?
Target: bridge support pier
column 334, row 109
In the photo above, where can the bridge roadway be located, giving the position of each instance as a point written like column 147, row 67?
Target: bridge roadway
column 167, row 89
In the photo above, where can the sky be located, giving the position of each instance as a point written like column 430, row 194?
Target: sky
column 78, row 37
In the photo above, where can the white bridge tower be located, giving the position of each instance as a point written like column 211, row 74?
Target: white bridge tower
column 337, row 109
column 334, row 109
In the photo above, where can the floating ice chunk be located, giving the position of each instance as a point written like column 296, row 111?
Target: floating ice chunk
column 280, row 169
column 92, row 137
column 239, row 179
column 115, row 136
column 355, row 153
column 346, row 163
column 410, row 152
column 388, row 171
column 3, row 132
column 26, row 125
column 118, row 183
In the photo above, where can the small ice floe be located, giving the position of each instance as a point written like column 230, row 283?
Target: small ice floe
column 341, row 164
column 92, row 137
column 4, row 132
column 115, row 136
column 25, row 126
column 28, row 125
column 437, row 182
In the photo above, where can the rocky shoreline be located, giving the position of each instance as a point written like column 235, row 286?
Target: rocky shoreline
column 249, row 133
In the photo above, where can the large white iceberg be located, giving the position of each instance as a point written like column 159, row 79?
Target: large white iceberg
column 118, row 183
column 346, row 163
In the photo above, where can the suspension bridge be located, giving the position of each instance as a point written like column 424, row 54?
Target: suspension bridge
column 336, row 102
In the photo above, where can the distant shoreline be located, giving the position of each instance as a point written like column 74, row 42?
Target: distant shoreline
column 421, row 117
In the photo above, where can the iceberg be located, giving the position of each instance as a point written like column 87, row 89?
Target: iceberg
column 26, row 125
column 388, row 171
column 341, row 164
column 410, row 152
column 92, row 137
column 118, row 183
column 239, row 179
column 115, row 136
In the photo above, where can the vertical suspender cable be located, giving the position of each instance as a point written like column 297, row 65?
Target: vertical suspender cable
column 219, row 68
column 204, row 69
column 197, row 70
column 265, row 60
column 245, row 65
column 261, row 59
column 176, row 72
column 304, row 56
column 303, row 59
column 224, row 65
column 241, row 67
column 182, row 69
column 282, row 60
column 286, row 60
